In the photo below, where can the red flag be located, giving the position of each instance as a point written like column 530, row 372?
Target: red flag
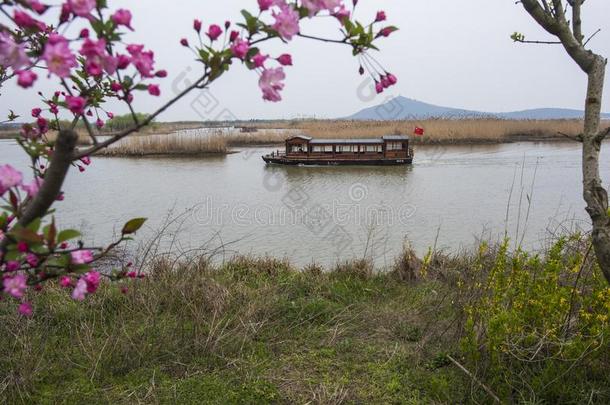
column 419, row 131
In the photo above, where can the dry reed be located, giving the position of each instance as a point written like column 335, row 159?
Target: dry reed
column 437, row 130
column 171, row 144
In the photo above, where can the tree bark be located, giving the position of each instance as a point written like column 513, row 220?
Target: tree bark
column 53, row 178
column 596, row 197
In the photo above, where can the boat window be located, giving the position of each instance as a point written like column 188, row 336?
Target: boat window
column 297, row 148
column 373, row 148
column 328, row 148
column 347, row 148
column 318, row 149
column 394, row 145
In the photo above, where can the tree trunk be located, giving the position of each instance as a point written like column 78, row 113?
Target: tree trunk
column 596, row 197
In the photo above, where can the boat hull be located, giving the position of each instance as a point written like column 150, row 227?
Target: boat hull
column 282, row 160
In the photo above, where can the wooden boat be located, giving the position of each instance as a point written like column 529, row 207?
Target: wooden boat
column 304, row 150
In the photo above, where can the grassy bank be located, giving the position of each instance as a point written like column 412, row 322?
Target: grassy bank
column 261, row 331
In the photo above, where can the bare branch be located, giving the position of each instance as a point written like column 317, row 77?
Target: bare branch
column 524, row 41
column 576, row 20
column 542, row 17
column 592, row 36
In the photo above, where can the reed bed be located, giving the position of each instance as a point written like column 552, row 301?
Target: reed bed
column 448, row 131
column 83, row 137
column 170, row 144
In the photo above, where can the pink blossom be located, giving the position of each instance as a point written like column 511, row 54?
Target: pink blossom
column 43, row 125
column 80, row 290
column 12, row 54
column 123, row 61
column 161, row 73
column 240, row 48
column 82, row 8
column 12, row 265
column 32, row 259
column 37, row 6
column 25, row 309
column 53, row 108
column 286, row 22
column 15, row 285
column 97, row 59
column 233, row 36
column 342, row 14
column 386, row 32
column 22, row 246
column 24, row 20
column 84, row 33
column 378, row 87
column 214, row 32
column 392, row 79
column 36, row 112
column 184, row 42
column 9, row 177
column 26, row 78
column 76, row 104
column 65, row 281
column 315, row 6
column 264, row 5
column 259, row 60
column 92, row 279
column 153, row 90
column 86, row 160
column 65, row 13
column 122, row 17
column 285, row 60
column 82, row 257
column 60, row 60
column 32, row 188
column 197, row 25
column 116, row 87
column 142, row 60
column 99, row 123
column 270, row 83
column 380, row 16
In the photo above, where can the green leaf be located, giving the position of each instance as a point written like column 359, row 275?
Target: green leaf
column 67, row 234
column 133, row 225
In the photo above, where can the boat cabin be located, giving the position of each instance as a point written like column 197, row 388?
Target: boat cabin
column 386, row 147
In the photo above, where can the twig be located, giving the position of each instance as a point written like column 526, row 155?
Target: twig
column 475, row 379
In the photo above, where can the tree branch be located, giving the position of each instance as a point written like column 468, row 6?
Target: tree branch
column 333, row 41
column 140, row 125
column 53, row 178
column 592, row 36
column 523, row 41
column 576, row 20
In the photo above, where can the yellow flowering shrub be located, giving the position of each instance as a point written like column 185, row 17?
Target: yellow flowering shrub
column 538, row 325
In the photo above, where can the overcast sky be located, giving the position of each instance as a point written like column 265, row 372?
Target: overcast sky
column 451, row 53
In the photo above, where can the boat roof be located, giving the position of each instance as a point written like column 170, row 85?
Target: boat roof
column 353, row 141
column 396, row 138
column 347, row 141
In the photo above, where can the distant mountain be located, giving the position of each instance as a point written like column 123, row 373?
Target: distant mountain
column 401, row 108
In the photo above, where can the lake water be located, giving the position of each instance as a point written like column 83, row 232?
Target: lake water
column 450, row 197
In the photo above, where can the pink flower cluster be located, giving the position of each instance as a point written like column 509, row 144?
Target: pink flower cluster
column 11, row 177
column 87, row 284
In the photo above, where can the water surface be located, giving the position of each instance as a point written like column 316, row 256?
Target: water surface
column 450, row 196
